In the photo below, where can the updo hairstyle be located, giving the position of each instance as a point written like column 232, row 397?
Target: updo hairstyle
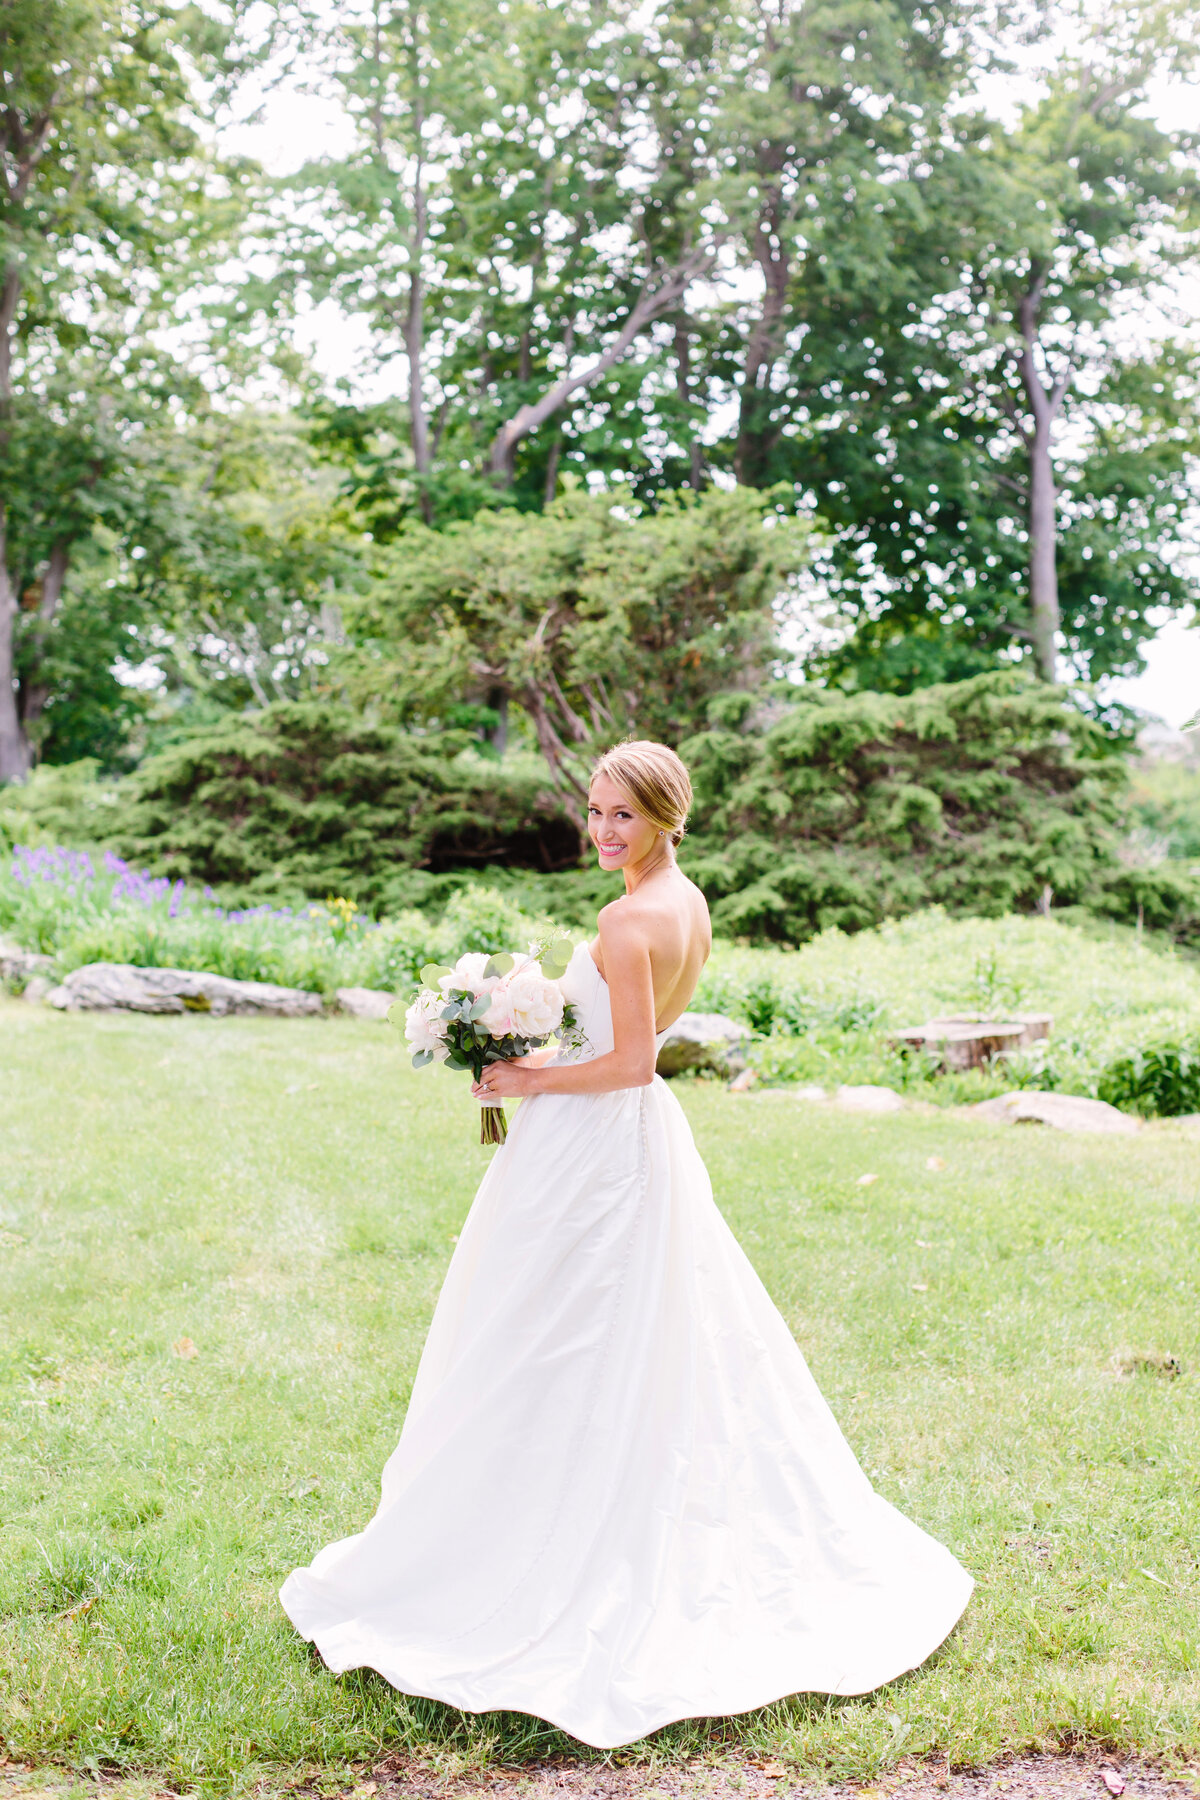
column 654, row 779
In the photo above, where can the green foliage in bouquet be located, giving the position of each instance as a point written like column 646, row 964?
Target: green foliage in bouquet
column 849, row 809
column 308, row 797
column 1159, row 1080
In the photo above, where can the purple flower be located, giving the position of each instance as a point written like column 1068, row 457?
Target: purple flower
column 56, row 866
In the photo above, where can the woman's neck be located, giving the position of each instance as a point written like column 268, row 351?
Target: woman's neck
column 652, row 864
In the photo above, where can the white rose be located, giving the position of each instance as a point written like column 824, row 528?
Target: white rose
column 424, row 1026
column 535, row 1001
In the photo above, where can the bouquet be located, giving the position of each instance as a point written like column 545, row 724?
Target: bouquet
column 489, row 1009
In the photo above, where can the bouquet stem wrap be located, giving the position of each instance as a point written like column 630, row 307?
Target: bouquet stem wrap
column 493, row 1128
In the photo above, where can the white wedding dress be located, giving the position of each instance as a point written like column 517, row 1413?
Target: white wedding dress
column 619, row 1498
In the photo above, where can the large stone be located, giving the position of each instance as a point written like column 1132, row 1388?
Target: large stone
column 119, row 987
column 1069, row 1112
column 21, row 966
column 364, row 1003
column 868, row 1099
column 704, row 1041
column 966, row 1041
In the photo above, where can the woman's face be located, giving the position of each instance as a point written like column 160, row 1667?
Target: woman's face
column 621, row 835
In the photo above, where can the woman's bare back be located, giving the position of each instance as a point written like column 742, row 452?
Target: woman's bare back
column 673, row 914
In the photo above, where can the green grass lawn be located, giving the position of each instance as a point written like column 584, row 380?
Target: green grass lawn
column 220, row 1244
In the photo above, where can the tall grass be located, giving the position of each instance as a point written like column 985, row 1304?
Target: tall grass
column 82, row 908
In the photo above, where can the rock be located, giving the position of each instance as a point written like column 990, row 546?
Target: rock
column 119, row 987
column 704, row 1041
column 364, row 1003
column 1069, row 1112
column 816, row 1095
column 22, row 965
column 868, row 1099
column 37, row 989
column 968, row 1042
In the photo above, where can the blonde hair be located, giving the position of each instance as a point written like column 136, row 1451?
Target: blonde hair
column 654, row 779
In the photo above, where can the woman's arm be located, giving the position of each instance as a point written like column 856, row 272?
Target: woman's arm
column 630, row 1063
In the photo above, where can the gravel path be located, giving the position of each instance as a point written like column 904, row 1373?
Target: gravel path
column 756, row 1778
column 722, row 1778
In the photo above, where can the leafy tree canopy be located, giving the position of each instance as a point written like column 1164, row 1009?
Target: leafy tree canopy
column 593, row 618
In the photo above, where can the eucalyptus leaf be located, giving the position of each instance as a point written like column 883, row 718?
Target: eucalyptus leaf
column 432, row 973
column 421, row 1057
column 556, row 957
column 499, row 964
column 480, row 1006
column 456, row 1062
column 396, row 1014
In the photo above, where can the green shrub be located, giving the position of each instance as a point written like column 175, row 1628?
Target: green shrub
column 67, row 803
column 852, row 808
column 307, row 798
column 1160, row 1080
column 1165, row 897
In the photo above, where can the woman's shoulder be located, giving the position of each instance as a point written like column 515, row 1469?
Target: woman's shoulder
column 652, row 914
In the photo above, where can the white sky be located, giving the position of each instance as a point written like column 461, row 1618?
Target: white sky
column 293, row 128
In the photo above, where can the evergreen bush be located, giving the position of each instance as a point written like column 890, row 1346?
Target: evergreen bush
column 309, row 798
column 978, row 796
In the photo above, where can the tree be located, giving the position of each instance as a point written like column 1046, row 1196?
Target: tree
column 840, row 103
column 591, row 619
column 238, row 560
column 106, row 204
column 1000, row 467
column 500, row 224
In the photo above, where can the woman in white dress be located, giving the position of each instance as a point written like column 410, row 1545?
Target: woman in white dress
column 619, row 1498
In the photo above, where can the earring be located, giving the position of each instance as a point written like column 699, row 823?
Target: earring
column 660, row 834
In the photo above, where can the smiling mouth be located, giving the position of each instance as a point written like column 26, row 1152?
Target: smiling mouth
column 610, row 849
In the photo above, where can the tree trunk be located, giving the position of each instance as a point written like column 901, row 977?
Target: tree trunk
column 551, row 487
column 755, row 439
column 1043, row 560
column 14, row 745
column 651, row 304
column 1044, row 404
column 497, row 736
column 570, row 789
column 10, row 291
column 32, row 694
column 414, row 314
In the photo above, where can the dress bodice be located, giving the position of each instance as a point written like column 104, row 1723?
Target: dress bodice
column 586, row 989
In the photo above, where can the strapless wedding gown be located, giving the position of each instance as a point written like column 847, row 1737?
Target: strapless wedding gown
column 619, row 1498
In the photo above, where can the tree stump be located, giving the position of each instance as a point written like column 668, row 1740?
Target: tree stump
column 967, row 1041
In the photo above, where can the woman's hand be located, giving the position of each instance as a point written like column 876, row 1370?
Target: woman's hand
column 506, row 1081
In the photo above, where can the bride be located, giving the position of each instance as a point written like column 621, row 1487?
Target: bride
column 619, row 1498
